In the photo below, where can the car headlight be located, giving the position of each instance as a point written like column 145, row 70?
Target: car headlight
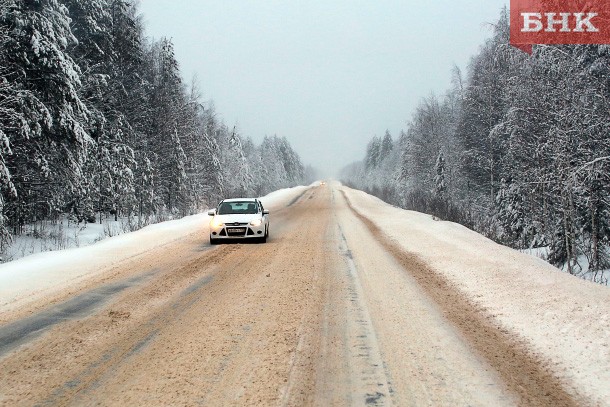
column 256, row 222
column 216, row 223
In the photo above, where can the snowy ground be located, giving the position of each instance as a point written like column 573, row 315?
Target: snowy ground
column 581, row 268
column 39, row 273
column 562, row 318
column 64, row 234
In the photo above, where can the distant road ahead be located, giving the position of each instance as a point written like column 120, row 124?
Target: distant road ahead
column 328, row 312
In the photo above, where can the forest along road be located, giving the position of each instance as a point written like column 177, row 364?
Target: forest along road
column 325, row 313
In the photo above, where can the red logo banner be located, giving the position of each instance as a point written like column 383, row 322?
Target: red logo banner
column 559, row 22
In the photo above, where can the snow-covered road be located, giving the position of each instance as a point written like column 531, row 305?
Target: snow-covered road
column 351, row 302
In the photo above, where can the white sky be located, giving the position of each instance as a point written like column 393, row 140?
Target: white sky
column 328, row 75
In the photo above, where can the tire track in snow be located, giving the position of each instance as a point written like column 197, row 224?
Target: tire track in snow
column 523, row 373
column 352, row 370
column 298, row 198
column 366, row 361
column 22, row 331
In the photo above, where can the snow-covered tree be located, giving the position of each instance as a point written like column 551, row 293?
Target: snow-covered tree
column 95, row 119
column 440, row 184
column 373, row 153
column 387, row 145
column 49, row 136
column 519, row 150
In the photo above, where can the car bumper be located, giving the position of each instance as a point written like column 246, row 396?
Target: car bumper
column 235, row 232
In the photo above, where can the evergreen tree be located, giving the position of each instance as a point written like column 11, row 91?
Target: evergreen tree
column 485, row 102
column 520, row 150
column 387, row 145
column 273, row 172
column 49, row 140
column 211, row 165
column 373, row 153
column 440, row 186
column 95, row 119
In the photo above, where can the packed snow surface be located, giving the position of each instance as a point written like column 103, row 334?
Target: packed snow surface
column 35, row 275
column 562, row 318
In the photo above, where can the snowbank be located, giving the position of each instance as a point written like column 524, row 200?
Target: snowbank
column 37, row 274
column 562, row 318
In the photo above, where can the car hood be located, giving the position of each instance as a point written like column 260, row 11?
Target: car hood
column 240, row 218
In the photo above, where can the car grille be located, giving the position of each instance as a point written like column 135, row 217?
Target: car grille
column 242, row 233
column 236, row 233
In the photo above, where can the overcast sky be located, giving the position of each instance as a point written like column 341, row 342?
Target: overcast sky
column 327, row 74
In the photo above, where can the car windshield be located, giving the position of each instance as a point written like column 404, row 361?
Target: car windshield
column 231, row 208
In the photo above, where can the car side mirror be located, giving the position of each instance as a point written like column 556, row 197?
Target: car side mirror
column 212, row 212
column 265, row 212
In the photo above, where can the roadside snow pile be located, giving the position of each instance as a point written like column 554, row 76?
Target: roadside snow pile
column 562, row 318
column 65, row 234
column 282, row 197
column 38, row 273
column 52, row 270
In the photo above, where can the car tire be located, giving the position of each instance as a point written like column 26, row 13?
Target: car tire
column 213, row 241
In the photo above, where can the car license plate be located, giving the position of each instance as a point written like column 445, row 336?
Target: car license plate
column 236, row 230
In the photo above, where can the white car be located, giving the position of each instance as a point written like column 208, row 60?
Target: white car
column 240, row 218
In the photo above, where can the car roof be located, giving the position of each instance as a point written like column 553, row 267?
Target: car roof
column 240, row 200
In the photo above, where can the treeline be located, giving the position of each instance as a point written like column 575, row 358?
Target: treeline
column 519, row 150
column 95, row 119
